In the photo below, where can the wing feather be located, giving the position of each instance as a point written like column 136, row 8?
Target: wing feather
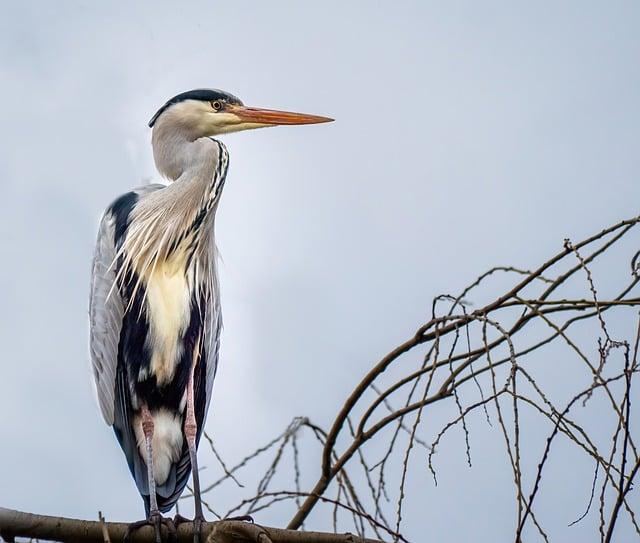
column 212, row 330
column 106, row 311
column 105, row 318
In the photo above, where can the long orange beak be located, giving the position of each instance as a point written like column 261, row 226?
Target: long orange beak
column 273, row 117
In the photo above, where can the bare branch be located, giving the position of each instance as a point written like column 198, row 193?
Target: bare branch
column 19, row 524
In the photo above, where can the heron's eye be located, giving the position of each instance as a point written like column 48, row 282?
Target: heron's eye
column 216, row 105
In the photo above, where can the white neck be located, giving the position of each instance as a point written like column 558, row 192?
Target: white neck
column 196, row 167
column 177, row 151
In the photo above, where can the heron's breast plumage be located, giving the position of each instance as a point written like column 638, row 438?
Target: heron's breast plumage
column 168, row 305
column 168, row 312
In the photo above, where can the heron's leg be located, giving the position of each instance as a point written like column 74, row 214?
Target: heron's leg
column 155, row 518
column 190, row 432
column 147, row 429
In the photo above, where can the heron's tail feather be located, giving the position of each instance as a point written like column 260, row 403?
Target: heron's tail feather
column 169, row 493
column 176, row 470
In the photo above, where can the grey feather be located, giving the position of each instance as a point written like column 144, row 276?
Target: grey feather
column 106, row 311
column 213, row 329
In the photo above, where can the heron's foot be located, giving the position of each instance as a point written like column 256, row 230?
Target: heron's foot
column 197, row 525
column 199, row 520
column 197, row 528
column 156, row 520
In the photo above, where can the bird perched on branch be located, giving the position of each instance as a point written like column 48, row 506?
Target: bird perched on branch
column 155, row 306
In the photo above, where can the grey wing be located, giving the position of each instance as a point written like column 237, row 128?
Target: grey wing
column 213, row 329
column 106, row 311
column 105, row 317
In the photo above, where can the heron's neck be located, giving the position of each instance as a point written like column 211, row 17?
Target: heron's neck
column 197, row 169
column 178, row 155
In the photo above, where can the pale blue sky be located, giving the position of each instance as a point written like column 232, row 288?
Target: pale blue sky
column 467, row 134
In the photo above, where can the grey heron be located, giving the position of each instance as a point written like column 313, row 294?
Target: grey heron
column 155, row 316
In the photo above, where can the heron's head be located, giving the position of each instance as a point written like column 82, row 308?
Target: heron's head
column 209, row 112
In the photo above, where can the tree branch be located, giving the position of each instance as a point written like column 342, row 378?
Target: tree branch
column 19, row 524
column 447, row 327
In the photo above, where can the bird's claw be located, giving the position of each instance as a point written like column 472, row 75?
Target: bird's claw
column 197, row 525
column 199, row 520
column 197, row 529
column 156, row 521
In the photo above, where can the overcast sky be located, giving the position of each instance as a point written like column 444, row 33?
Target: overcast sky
column 467, row 134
